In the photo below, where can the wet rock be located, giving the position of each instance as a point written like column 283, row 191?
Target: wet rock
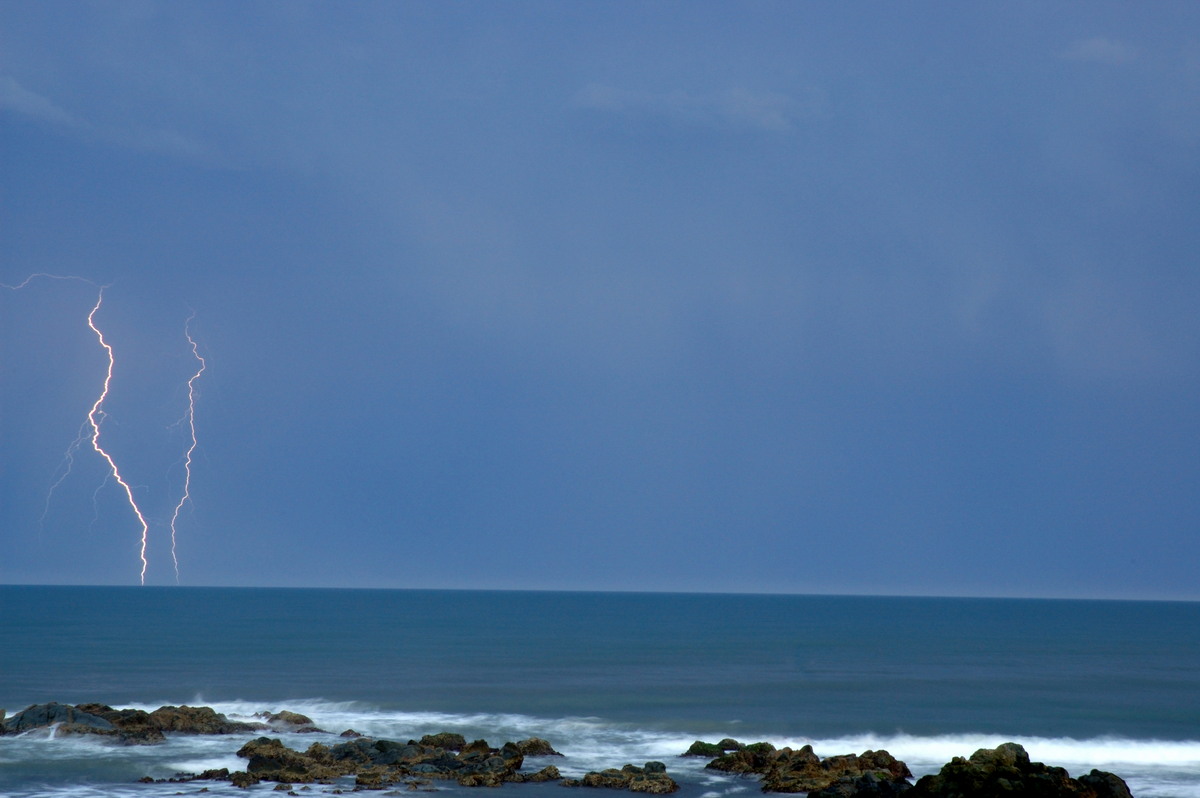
column 378, row 763
column 548, row 773
column 199, row 720
column 711, row 750
column 536, row 746
column 1007, row 772
column 448, row 740
column 243, row 779
column 272, row 760
column 69, row 719
column 788, row 770
column 701, row 748
column 651, row 778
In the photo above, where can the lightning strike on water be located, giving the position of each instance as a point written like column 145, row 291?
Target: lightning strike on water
column 187, row 458
column 96, row 417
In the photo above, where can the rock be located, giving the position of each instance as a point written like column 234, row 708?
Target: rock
column 199, row 720
column 285, row 718
column 548, row 773
column 701, row 748
column 1105, row 784
column 350, row 733
column 243, row 779
column 378, row 763
column 134, row 726
column 449, row 740
column 802, row 771
column 652, row 778
column 1007, row 772
column 41, row 716
column 536, row 746
column 866, row 786
column 711, row 750
column 787, row 770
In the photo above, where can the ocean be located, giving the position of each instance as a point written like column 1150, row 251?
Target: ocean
column 607, row 678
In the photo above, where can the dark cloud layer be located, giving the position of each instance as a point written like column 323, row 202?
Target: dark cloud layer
column 697, row 297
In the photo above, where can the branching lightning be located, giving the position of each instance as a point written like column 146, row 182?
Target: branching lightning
column 90, row 429
column 96, row 417
column 191, row 422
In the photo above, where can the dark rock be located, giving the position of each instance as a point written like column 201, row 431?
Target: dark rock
column 652, row 778
column 787, row 770
column 1105, row 784
column 41, row 716
column 449, row 740
column 701, row 748
column 866, row 786
column 802, row 771
column 134, row 726
column 377, row 763
column 729, row 744
column 536, row 746
column 243, row 779
column 1007, row 772
column 199, row 720
column 548, row 773
column 350, row 733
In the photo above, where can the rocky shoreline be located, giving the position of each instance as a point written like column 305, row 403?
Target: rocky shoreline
column 376, row 764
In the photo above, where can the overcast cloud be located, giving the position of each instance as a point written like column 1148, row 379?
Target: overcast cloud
column 780, row 297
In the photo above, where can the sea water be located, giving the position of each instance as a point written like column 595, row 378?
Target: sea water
column 607, row 678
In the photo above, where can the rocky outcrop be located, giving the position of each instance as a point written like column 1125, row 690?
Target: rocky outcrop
column 290, row 722
column 1007, row 772
column 535, row 746
column 651, row 778
column 711, row 750
column 377, row 763
column 136, row 726
column 788, row 770
column 64, row 718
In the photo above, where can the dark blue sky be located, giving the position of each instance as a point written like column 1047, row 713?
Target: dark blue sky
column 800, row 297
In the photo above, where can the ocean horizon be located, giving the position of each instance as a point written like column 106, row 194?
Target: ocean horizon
column 609, row 678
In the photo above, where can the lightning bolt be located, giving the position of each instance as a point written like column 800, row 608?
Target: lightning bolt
column 190, row 417
column 95, row 417
column 90, row 429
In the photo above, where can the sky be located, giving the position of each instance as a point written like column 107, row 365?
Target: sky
column 699, row 296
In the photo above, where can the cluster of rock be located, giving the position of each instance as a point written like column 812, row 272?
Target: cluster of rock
column 651, row 778
column 138, row 727
column 378, row 763
column 1002, row 772
column 788, row 770
column 1006, row 771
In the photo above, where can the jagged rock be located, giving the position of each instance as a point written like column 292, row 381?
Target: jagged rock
column 787, row 770
column 1007, row 772
column 377, row 763
column 651, row 778
column 351, row 733
column 536, row 746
